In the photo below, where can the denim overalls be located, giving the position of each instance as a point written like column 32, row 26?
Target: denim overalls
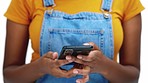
column 59, row 29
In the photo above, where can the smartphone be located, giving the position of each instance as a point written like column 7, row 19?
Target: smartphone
column 75, row 50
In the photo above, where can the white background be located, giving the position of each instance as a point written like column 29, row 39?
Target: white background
column 144, row 44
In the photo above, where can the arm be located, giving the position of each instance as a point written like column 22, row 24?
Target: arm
column 15, row 70
column 130, row 51
column 129, row 68
column 15, row 53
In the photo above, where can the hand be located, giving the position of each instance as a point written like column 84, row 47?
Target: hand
column 96, row 61
column 49, row 64
column 82, row 67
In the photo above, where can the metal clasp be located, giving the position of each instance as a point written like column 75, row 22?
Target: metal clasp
column 105, row 13
column 51, row 10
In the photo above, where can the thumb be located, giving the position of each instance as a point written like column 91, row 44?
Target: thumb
column 55, row 55
column 95, row 47
column 51, row 55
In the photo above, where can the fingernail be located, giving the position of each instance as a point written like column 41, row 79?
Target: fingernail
column 86, row 44
column 75, row 72
column 79, row 57
column 78, row 81
column 56, row 59
column 68, row 58
column 55, row 53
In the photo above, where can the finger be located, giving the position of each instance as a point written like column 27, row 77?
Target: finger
column 89, row 58
column 66, row 74
column 74, row 59
column 59, row 73
column 93, row 55
column 95, row 47
column 79, row 61
column 81, row 71
column 59, row 63
column 84, row 58
column 55, row 55
column 83, row 80
column 49, row 55
column 70, row 73
column 78, row 66
column 71, row 58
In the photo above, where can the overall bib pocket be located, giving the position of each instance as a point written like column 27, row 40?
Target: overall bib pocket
column 66, row 36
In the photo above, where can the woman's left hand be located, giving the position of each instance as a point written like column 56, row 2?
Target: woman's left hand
column 95, row 62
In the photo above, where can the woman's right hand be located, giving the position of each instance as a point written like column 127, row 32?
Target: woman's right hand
column 49, row 64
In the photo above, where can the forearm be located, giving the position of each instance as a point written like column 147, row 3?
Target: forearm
column 117, row 73
column 27, row 73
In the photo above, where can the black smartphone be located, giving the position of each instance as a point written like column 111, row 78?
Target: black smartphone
column 75, row 50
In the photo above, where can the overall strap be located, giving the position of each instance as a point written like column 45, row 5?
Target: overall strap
column 48, row 3
column 106, row 5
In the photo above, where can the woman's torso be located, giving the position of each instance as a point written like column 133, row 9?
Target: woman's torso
column 73, row 7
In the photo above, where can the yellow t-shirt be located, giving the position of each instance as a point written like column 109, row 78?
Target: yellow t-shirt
column 31, row 12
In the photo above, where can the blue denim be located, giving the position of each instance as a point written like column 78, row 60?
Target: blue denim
column 48, row 3
column 107, row 5
column 60, row 29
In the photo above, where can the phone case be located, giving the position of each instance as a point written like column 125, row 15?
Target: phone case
column 75, row 50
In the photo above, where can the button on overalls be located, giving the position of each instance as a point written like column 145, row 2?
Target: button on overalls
column 60, row 29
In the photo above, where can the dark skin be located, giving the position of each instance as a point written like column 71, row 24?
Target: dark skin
column 128, row 70
column 16, row 71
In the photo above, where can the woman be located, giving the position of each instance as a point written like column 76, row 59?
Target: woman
column 110, row 26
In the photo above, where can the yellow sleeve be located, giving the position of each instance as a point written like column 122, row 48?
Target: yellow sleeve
column 19, row 12
column 132, row 8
